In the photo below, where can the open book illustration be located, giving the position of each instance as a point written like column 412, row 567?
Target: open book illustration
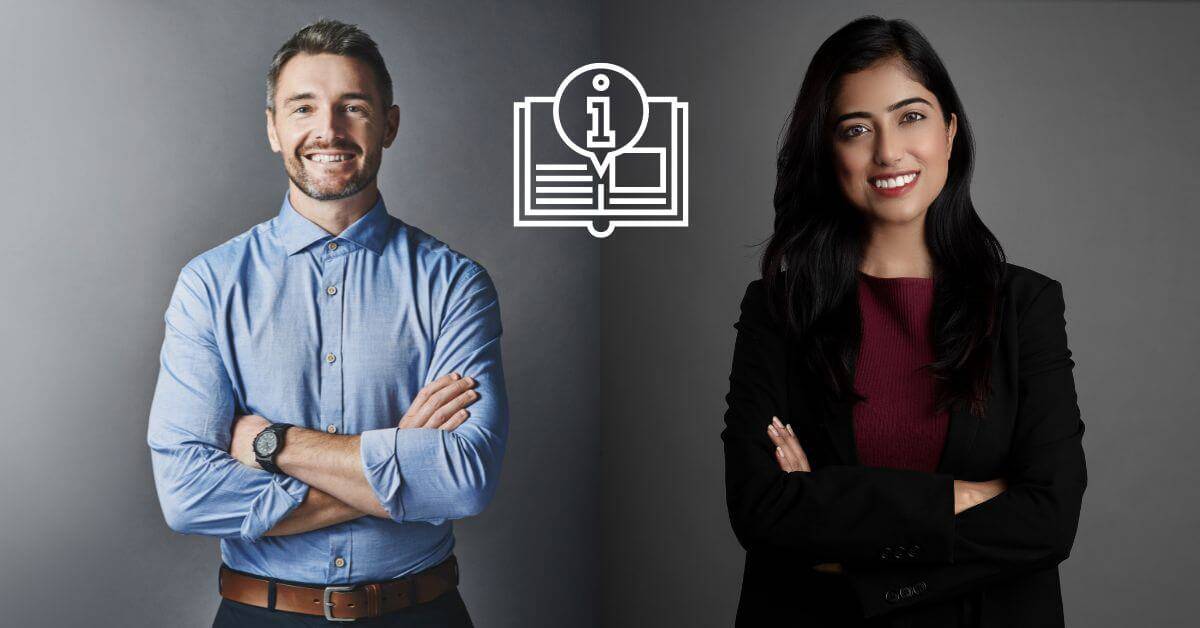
column 600, row 154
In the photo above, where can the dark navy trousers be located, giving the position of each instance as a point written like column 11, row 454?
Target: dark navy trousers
column 447, row 611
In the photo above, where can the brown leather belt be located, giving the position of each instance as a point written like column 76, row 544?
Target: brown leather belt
column 349, row 602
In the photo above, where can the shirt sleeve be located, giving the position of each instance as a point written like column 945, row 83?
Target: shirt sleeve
column 201, row 488
column 1032, row 524
column 432, row 475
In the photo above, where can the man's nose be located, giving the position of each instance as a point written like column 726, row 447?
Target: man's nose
column 328, row 126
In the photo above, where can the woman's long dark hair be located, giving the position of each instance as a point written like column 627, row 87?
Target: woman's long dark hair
column 811, row 263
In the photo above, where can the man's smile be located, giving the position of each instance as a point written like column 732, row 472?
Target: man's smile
column 330, row 158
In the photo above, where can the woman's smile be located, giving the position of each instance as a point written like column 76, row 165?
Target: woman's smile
column 894, row 186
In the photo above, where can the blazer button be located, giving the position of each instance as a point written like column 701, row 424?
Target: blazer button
column 919, row 587
column 892, row 597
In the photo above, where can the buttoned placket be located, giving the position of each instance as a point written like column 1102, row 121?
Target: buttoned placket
column 330, row 306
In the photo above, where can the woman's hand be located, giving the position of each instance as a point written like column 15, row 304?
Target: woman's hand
column 970, row 494
column 788, row 453
column 791, row 458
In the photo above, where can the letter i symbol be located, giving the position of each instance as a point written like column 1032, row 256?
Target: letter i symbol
column 600, row 135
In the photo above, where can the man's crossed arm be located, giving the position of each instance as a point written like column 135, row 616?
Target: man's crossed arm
column 332, row 464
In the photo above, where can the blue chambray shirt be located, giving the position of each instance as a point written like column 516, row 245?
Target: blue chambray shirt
column 332, row 333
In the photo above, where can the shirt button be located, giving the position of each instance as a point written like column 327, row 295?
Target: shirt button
column 332, row 429
column 329, row 357
column 340, row 562
column 331, row 290
column 333, row 246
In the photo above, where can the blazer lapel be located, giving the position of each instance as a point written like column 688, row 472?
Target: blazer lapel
column 959, row 438
column 839, row 422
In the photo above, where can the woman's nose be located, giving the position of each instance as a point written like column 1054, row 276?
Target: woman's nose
column 887, row 149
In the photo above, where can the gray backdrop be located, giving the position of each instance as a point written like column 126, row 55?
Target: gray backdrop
column 139, row 142
column 1084, row 115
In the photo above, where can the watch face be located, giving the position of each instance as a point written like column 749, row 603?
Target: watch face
column 265, row 444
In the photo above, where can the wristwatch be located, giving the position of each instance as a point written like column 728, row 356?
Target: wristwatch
column 268, row 444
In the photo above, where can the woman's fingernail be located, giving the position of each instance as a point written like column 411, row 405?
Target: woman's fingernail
column 789, row 429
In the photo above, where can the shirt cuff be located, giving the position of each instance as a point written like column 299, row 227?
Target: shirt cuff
column 378, row 451
column 422, row 451
column 282, row 495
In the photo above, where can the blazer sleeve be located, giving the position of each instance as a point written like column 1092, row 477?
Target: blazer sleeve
column 835, row 513
column 1032, row 524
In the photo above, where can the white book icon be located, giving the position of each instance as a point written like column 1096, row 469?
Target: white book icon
column 600, row 154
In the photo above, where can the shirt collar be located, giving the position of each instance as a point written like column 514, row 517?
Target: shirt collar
column 297, row 232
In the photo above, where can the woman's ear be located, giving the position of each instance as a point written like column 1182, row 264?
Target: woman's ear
column 951, row 129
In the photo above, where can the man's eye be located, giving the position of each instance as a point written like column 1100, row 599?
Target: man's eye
column 301, row 108
column 353, row 108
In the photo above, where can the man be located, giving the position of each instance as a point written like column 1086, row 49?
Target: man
column 331, row 394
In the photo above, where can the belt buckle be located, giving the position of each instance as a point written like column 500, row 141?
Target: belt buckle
column 326, row 598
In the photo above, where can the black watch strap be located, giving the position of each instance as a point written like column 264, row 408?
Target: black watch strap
column 268, row 462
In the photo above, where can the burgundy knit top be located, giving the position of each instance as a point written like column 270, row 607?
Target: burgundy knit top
column 896, row 426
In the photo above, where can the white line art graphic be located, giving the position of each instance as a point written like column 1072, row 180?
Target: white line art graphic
column 600, row 154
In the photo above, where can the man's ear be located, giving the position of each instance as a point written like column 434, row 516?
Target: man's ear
column 393, row 125
column 271, row 137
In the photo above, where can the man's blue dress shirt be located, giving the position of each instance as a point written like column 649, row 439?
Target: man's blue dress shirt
column 332, row 333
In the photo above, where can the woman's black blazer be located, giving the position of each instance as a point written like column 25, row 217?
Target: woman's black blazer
column 909, row 560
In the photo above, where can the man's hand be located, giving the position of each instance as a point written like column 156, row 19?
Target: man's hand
column 441, row 404
column 245, row 428
column 791, row 458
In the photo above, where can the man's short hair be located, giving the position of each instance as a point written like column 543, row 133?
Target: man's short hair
column 333, row 37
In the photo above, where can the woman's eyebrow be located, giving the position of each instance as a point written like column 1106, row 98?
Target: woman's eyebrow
column 863, row 114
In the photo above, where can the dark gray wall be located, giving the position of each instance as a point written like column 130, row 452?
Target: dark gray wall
column 136, row 139
column 1084, row 116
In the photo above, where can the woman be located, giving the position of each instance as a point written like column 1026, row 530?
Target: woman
column 903, row 442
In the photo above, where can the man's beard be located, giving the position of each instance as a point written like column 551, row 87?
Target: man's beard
column 298, row 171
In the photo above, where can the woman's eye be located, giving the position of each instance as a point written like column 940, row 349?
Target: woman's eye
column 847, row 133
column 920, row 116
